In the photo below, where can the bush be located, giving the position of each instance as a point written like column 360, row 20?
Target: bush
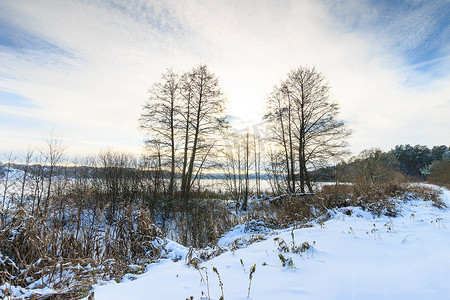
column 377, row 198
column 440, row 173
column 336, row 195
column 202, row 223
column 370, row 167
column 424, row 192
column 285, row 210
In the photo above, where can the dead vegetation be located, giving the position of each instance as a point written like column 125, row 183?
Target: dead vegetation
column 38, row 252
column 378, row 198
column 108, row 219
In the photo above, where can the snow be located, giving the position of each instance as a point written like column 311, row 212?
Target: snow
column 243, row 233
column 176, row 251
column 352, row 256
column 24, row 293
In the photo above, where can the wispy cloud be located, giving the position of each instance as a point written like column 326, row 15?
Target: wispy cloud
column 87, row 65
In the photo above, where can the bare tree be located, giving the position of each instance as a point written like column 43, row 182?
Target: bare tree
column 26, row 169
column 231, row 164
column 240, row 157
column 7, row 185
column 275, row 171
column 159, row 119
column 203, row 115
column 53, row 155
column 183, row 119
column 258, row 149
column 277, row 116
column 304, row 124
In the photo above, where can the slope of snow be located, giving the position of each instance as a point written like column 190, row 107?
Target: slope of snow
column 352, row 257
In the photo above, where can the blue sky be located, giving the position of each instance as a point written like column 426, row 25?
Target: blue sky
column 416, row 30
column 83, row 68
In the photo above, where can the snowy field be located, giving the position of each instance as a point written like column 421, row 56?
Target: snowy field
column 352, row 256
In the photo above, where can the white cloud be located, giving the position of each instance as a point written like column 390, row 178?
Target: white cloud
column 94, row 85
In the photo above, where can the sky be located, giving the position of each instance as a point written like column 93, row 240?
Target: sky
column 82, row 69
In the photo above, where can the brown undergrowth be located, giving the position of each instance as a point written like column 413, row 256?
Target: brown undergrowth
column 38, row 252
column 378, row 198
column 70, row 252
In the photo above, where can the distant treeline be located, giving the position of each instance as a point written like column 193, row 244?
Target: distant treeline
column 403, row 163
column 414, row 162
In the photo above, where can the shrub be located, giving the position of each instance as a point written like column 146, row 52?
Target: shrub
column 286, row 210
column 377, row 198
column 440, row 173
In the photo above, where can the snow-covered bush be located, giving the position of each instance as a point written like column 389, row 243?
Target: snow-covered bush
column 380, row 199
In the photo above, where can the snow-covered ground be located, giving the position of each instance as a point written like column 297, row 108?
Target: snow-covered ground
column 351, row 257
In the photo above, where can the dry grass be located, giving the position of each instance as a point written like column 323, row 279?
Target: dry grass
column 426, row 193
column 287, row 210
column 203, row 223
column 38, row 252
column 378, row 198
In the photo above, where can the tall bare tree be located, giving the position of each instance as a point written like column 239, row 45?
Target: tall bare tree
column 203, row 107
column 280, row 118
column 183, row 118
column 159, row 119
column 304, row 124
